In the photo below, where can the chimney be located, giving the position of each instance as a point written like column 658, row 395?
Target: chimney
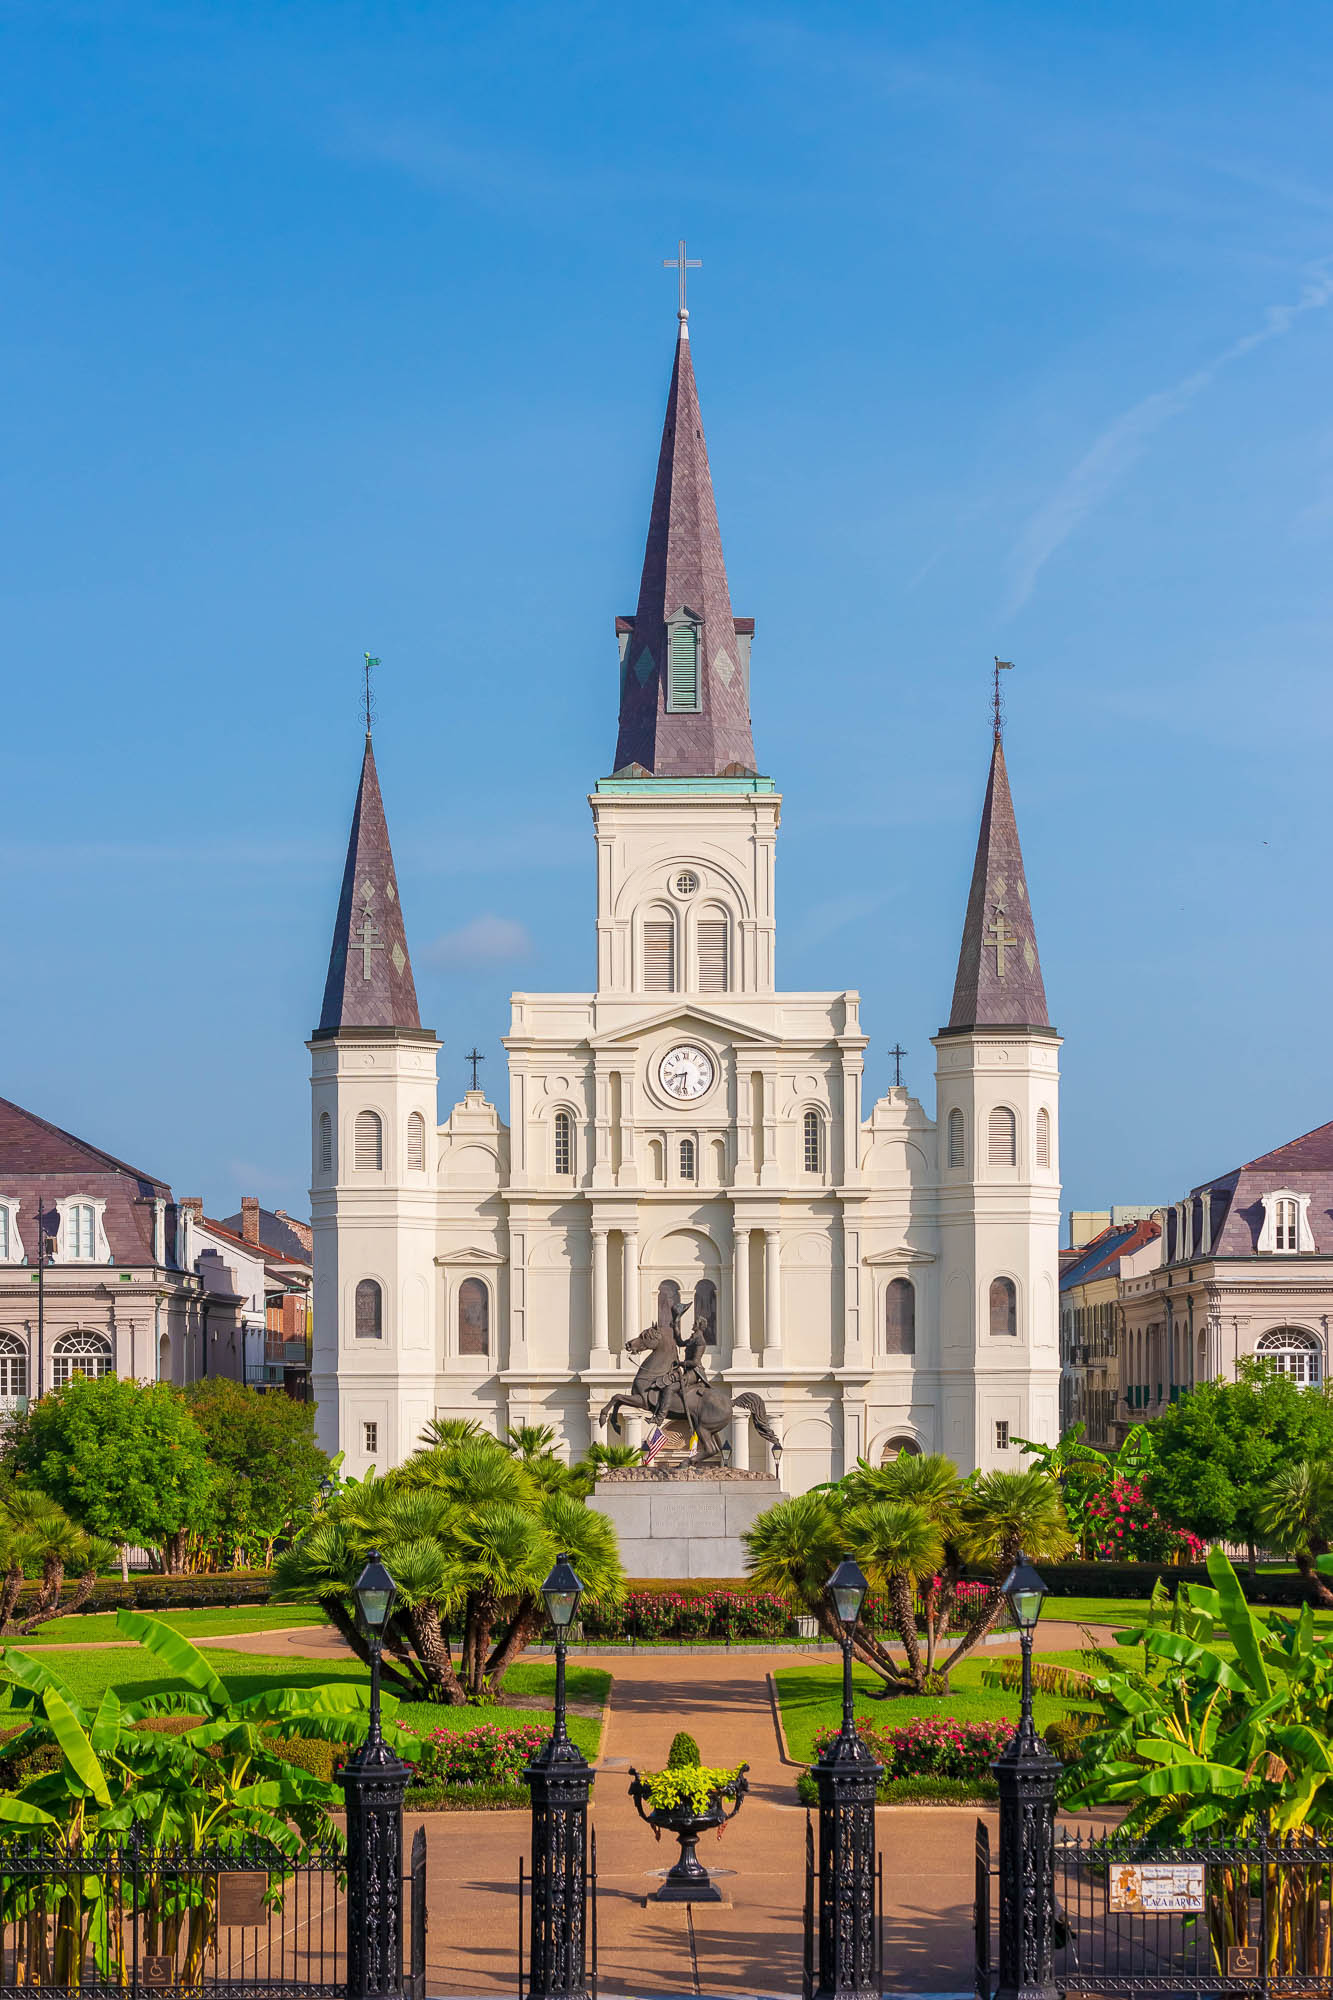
column 250, row 1217
column 191, row 1204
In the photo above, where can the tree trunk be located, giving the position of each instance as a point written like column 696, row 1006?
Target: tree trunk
column 9, row 1597
column 433, row 1652
column 904, row 1617
column 124, row 1562
column 56, row 1609
column 975, row 1632
column 524, row 1626
column 1252, row 1559
column 173, row 1554
column 1314, row 1583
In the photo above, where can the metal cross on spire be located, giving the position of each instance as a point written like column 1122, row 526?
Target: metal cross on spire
column 1001, row 667
column 897, row 1053
column 682, row 264
column 474, row 1056
column 371, row 662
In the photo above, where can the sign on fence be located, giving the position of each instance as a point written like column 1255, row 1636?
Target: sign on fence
column 1144, row 1888
column 241, row 1897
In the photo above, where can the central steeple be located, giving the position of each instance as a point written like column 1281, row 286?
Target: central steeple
column 684, row 659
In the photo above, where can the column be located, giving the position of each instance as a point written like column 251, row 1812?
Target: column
column 601, row 1336
column 740, row 1295
column 630, row 1314
column 772, row 1297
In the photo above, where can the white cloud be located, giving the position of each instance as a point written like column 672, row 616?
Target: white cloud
column 487, row 940
column 1125, row 440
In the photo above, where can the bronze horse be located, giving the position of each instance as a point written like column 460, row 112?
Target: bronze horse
column 706, row 1406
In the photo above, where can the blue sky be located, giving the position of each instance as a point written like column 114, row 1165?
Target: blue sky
column 334, row 327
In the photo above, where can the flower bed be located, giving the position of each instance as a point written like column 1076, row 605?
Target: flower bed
column 481, row 1758
column 651, row 1616
column 930, row 1747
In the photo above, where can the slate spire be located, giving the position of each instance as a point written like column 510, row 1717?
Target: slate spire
column 999, row 983
column 370, row 981
column 684, row 677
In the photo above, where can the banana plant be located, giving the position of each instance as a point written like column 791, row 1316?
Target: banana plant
column 221, row 1778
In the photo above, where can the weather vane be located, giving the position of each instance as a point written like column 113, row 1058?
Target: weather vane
column 1001, row 667
column 371, row 662
column 682, row 264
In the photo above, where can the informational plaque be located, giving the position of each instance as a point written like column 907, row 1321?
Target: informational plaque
column 1151, row 1888
column 157, row 1968
column 241, row 1897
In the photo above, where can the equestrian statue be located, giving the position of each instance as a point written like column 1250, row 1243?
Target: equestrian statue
column 670, row 1385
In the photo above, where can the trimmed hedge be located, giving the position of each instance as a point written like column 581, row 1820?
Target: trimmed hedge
column 1111, row 1579
column 166, row 1593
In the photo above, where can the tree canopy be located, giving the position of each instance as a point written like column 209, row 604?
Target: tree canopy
column 267, row 1465
column 1217, row 1450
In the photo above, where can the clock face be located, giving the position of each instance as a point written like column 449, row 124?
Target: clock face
column 686, row 1072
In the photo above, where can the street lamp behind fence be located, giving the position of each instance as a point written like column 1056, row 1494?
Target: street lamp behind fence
column 558, row 1779
column 847, row 1777
column 1027, row 1774
column 374, row 1781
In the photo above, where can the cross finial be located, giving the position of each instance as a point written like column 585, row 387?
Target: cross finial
column 371, row 662
column 682, row 264
column 1001, row 667
column 897, row 1052
column 474, row 1056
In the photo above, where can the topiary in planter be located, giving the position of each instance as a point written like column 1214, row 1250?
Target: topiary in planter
column 684, row 1751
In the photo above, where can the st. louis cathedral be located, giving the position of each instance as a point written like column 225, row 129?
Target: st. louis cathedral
column 883, row 1278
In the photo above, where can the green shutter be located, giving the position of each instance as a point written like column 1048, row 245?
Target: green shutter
column 683, row 668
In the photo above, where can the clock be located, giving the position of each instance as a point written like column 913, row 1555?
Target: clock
column 686, row 1072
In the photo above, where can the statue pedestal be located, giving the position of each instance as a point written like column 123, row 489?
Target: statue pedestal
column 672, row 1521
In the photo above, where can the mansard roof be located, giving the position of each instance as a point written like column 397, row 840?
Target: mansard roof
column 684, row 578
column 370, row 982
column 40, row 1164
column 1229, row 1209
column 999, row 982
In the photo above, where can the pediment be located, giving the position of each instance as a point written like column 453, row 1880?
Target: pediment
column 900, row 1254
column 682, row 1016
column 474, row 1256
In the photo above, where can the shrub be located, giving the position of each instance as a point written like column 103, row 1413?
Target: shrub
column 1068, row 1735
column 931, row 1746
column 684, row 1751
column 486, row 1756
column 308, row 1753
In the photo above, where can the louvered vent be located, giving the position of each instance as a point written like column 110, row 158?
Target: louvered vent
column 713, row 955
column 659, row 958
column 1002, row 1138
column 683, row 668
column 368, row 1149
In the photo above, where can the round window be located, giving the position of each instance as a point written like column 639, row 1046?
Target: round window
column 686, row 882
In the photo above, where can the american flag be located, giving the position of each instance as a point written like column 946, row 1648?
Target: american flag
column 653, row 1446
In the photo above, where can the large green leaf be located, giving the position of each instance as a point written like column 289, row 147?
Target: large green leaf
column 17, row 1812
column 1200, row 1660
column 174, row 1651
column 77, row 1750
column 1166, row 1780
column 36, row 1678
column 1243, row 1628
column 1306, row 1745
column 106, row 1724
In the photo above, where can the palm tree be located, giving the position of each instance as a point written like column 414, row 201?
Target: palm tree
column 528, row 1441
column 469, row 1533
column 1005, row 1512
column 793, row 1549
column 450, row 1430
column 897, row 1545
column 37, row 1534
column 1296, row 1514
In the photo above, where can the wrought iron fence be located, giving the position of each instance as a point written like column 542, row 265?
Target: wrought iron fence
column 531, row 1979
column 814, row 1890
column 117, row 1916
column 1253, row 1916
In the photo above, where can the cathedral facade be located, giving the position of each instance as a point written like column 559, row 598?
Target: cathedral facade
column 687, row 1133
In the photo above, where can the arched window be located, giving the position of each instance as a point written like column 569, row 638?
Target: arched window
column 416, row 1144
column 325, row 1143
column 1003, row 1306
column 1043, row 1138
column 655, row 1172
column 668, row 1298
column 957, row 1140
column 369, row 1310
column 900, row 1317
column 687, row 1161
column 562, row 1160
column 368, row 1150
column 712, row 954
column 474, row 1317
column 705, row 1310
column 80, row 1354
column 1292, row 1352
column 1286, row 1225
column 80, row 1231
column 13, row 1371
column 719, row 1153
column 1201, row 1360
column 164, row 1358
column 1002, row 1138
column 814, row 1143
column 896, row 1446
column 659, row 952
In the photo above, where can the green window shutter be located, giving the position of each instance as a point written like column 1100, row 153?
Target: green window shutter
column 683, row 668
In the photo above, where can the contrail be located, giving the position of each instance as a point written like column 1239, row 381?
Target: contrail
column 1122, row 442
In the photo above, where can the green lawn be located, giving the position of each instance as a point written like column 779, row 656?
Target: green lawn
column 204, row 1621
column 810, row 1698
column 134, row 1673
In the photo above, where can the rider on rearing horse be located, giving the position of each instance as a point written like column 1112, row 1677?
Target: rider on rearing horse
column 689, row 1367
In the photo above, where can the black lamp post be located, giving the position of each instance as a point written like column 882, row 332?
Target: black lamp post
column 558, row 1780
column 374, row 1781
column 1027, row 1774
column 847, row 1776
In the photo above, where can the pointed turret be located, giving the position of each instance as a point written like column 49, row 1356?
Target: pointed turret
column 999, row 983
column 370, row 981
column 684, row 677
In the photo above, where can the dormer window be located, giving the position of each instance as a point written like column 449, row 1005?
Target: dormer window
column 1286, row 1224
column 682, row 688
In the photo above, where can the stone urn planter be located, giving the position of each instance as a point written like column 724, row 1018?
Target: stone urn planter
column 687, row 1879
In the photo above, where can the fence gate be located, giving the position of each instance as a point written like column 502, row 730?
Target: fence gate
column 981, row 1912
column 416, row 1978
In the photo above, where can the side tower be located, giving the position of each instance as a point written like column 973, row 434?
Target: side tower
column 997, row 1082
column 373, row 1127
